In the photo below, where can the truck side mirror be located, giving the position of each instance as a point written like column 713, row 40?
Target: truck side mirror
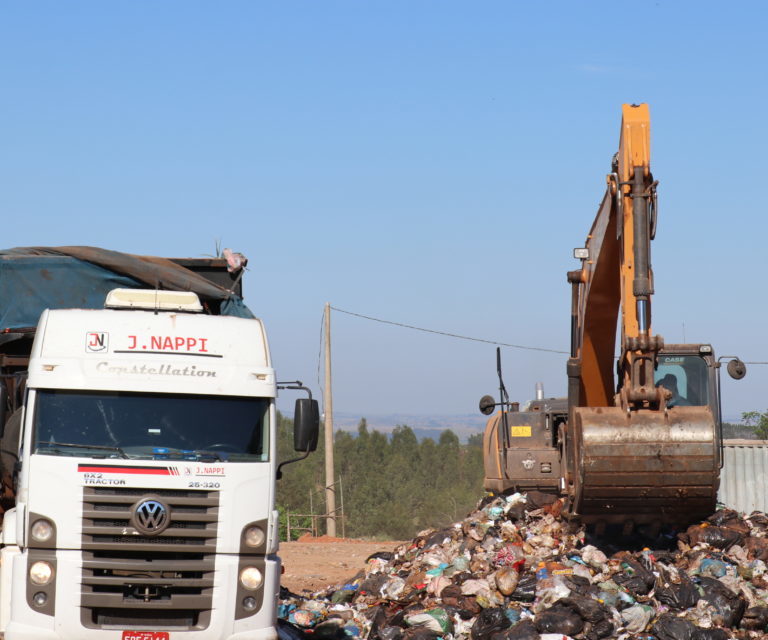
column 306, row 425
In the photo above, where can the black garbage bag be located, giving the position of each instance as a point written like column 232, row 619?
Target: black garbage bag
column 718, row 537
column 437, row 538
column 670, row 627
column 390, row 633
column 378, row 618
column 488, row 622
column 559, row 619
column 398, row 620
column 587, row 609
column 373, row 583
column 526, row 589
column 729, row 606
column 755, row 619
column 328, row 630
column 723, row 517
column 380, row 555
column 289, row 631
column 634, row 577
column 516, row 512
column 711, row 634
column 524, row 630
column 602, row 629
column 758, row 520
column 580, row 585
column 676, row 596
column 420, row 633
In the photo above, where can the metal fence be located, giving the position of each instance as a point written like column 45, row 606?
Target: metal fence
column 744, row 477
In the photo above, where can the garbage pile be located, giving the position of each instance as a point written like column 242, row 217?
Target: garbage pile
column 515, row 570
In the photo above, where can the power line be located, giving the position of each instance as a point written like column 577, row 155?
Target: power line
column 461, row 337
column 446, row 333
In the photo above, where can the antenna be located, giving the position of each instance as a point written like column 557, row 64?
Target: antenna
column 503, row 400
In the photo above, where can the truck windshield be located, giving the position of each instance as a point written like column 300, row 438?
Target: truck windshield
column 686, row 377
column 151, row 426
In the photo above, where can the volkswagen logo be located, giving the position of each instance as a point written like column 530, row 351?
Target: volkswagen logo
column 151, row 517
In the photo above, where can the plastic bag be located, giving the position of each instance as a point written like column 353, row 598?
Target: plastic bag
column 526, row 589
column 729, row 606
column 755, row 618
column 288, row 631
column 390, row 633
column 637, row 617
column 506, row 580
column 436, row 620
column 343, row 596
column 559, row 619
column 718, row 537
column 601, row 629
column 757, row 548
column 329, row 630
column 549, row 589
column 524, row 630
column 587, row 609
column 488, row 622
column 676, row 596
column 419, row 633
column 712, row 568
column 594, row 557
column 711, row 634
column 635, row 578
column 669, row 627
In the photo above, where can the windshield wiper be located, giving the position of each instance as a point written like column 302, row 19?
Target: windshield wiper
column 98, row 447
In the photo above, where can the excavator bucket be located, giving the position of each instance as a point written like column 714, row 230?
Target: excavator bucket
column 643, row 466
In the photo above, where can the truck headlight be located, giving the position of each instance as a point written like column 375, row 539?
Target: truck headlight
column 251, row 578
column 42, row 530
column 254, row 536
column 41, row 573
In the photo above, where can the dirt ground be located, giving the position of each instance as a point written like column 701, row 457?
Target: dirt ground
column 311, row 564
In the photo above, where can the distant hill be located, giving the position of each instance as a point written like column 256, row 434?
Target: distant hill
column 424, row 426
column 464, row 425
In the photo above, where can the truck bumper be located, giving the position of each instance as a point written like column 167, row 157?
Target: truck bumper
column 65, row 624
column 18, row 631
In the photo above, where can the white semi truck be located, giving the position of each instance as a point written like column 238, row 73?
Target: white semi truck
column 139, row 456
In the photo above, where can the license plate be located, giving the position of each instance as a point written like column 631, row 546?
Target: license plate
column 145, row 635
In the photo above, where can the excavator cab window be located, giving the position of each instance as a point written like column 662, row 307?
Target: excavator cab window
column 686, row 376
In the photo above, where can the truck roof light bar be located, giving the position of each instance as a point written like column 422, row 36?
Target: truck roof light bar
column 153, row 300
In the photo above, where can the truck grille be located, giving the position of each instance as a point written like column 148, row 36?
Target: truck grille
column 166, row 579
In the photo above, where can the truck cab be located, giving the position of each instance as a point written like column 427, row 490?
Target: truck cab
column 144, row 479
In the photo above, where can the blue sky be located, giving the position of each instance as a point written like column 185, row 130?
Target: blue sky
column 432, row 163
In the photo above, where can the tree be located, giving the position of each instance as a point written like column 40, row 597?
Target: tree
column 758, row 421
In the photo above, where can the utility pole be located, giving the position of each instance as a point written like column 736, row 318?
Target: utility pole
column 330, row 490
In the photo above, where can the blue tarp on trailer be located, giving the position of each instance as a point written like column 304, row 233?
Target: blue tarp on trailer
column 36, row 278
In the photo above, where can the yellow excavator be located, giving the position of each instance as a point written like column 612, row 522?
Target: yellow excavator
column 638, row 441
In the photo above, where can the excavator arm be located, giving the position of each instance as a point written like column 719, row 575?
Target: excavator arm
column 629, row 455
